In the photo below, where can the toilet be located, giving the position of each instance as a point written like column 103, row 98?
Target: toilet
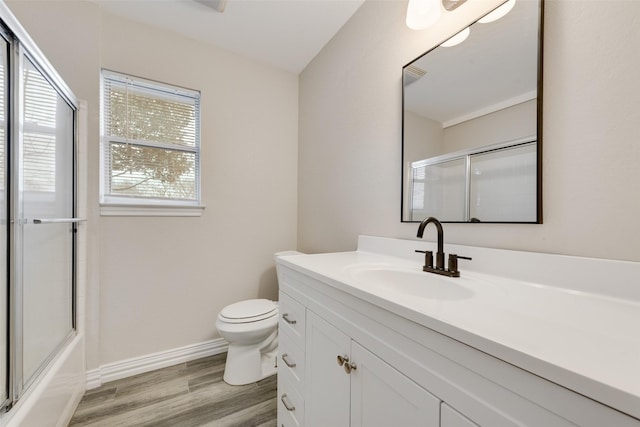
column 251, row 329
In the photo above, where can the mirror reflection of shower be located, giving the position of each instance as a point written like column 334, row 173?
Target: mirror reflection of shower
column 464, row 102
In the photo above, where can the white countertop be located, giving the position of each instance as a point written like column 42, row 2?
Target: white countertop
column 584, row 341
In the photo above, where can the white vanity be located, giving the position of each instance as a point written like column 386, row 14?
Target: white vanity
column 520, row 339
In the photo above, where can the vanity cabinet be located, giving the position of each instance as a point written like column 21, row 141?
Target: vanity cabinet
column 382, row 396
column 349, row 386
column 346, row 361
column 291, row 362
column 344, row 383
column 327, row 386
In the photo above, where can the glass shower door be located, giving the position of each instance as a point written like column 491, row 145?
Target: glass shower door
column 37, row 214
column 46, row 174
column 4, row 303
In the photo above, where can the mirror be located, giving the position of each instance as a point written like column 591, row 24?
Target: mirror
column 471, row 145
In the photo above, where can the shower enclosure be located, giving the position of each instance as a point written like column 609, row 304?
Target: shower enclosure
column 37, row 213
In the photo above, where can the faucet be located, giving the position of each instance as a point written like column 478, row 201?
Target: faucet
column 452, row 270
column 440, row 253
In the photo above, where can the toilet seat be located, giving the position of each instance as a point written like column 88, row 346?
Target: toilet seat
column 248, row 311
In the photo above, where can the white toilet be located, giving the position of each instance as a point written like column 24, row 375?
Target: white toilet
column 251, row 329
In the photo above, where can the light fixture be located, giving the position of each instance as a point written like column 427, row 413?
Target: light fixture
column 456, row 39
column 422, row 14
column 498, row 13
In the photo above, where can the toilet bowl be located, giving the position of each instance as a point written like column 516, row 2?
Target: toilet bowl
column 251, row 329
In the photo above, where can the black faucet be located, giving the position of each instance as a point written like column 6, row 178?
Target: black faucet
column 440, row 253
column 452, row 270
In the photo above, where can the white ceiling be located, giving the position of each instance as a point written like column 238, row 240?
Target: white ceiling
column 284, row 33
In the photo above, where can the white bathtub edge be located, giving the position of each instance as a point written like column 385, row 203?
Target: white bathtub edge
column 53, row 400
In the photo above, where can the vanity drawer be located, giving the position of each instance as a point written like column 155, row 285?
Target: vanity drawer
column 290, row 404
column 292, row 319
column 291, row 361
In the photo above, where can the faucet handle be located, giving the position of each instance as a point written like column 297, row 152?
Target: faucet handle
column 428, row 258
column 453, row 262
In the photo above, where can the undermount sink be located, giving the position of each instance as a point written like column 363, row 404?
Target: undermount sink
column 408, row 281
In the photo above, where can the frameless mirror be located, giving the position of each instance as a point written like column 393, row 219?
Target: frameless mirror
column 471, row 124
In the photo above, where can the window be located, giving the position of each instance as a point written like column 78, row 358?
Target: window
column 150, row 147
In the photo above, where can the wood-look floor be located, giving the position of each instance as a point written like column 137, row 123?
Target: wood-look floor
column 186, row 395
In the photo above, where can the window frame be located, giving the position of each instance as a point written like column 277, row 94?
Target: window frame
column 115, row 205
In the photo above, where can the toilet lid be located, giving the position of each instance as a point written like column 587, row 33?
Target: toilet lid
column 249, row 311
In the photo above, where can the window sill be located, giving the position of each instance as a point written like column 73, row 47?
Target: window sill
column 149, row 210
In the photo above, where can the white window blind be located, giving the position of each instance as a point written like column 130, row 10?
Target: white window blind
column 151, row 142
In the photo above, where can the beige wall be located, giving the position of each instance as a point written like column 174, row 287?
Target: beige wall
column 350, row 130
column 146, row 296
column 423, row 137
column 158, row 283
column 504, row 125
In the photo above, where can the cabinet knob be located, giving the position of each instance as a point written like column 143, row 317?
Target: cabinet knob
column 349, row 366
column 342, row 359
column 285, row 316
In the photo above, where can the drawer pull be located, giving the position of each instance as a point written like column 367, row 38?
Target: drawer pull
column 285, row 316
column 287, row 405
column 285, row 358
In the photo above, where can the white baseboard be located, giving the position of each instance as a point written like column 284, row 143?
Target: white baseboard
column 138, row 365
column 94, row 379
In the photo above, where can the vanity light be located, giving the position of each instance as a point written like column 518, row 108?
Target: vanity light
column 498, row 13
column 457, row 39
column 422, row 14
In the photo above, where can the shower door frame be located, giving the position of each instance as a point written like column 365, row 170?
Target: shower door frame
column 8, row 385
column 21, row 47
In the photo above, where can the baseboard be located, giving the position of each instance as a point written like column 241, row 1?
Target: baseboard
column 138, row 365
column 94, row 379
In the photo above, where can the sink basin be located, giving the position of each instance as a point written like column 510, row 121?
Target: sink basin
column 408, row 281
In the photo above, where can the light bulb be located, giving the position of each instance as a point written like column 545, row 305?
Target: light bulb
column 422, row 14
column 498, row 13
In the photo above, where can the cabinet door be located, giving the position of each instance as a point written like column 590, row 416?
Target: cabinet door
column 327, row 383
column 382, row 396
